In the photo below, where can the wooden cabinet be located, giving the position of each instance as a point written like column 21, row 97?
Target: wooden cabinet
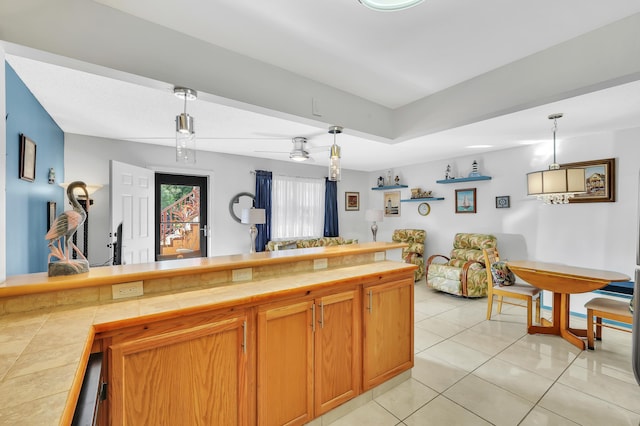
column 194, row 374
column 285, row 363
column 308, row 357
column 337, row 350
column 387, row 330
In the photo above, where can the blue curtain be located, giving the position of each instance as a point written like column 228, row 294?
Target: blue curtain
column 331, row 208
column 263, row 201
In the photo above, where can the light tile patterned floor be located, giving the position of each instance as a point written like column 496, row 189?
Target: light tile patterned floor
column 470, row 371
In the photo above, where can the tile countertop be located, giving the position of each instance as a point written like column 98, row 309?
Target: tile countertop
column 43, row 353
column 39, row 283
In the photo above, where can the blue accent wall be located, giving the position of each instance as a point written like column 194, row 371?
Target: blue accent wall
column 26, row 227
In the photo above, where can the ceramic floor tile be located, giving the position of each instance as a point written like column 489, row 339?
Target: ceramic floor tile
column 435, row 372
column 551, row 345
column 423, row 339
column 406, row 398
column 585, row 409
column 442, row 411
column 541, row 417
column 457, row 354
column 489, row 401
column 485, row 343
column 433, row 307
column 371, row 414
column 611, row 364
column 533, row 361
column 464, row 316
column 440, row 327
column 618, row 392
column 517, row 380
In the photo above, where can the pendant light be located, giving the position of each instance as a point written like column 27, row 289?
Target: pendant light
column 334, row 158
column 556, row 185
column 185, row 133
column 389, row 5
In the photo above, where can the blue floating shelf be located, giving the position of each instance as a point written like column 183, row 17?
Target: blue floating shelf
column 415, row 200
column 464, row 179
column 380, row 188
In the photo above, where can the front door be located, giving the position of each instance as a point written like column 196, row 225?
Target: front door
column 181, row 216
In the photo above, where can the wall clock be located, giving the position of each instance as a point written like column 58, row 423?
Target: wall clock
column 424, row 209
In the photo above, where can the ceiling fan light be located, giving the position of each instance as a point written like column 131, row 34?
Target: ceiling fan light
column 299, row 155
column 390, row 5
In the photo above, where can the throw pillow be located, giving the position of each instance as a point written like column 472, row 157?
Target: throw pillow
column 502, row 275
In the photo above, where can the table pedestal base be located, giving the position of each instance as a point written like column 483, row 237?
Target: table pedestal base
column 560, row 323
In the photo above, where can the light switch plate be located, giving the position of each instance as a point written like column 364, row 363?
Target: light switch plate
column 244, row 274
column 378, row 256
column 124, row 290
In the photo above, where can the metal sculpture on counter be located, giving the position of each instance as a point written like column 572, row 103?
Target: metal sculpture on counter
column 63, row 228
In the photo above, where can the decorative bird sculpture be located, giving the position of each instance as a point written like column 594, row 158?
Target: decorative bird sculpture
column 63, row 228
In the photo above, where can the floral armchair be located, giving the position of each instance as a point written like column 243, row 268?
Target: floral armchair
column 415, row 252
column 464, row 273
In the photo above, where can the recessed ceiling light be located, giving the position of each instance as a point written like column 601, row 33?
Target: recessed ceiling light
column 390, row 5
column 479, row 146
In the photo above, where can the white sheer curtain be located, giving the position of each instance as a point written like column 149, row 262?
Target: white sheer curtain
column 297, row 207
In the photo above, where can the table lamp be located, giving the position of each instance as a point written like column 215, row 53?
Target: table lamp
column 373, row 215
column 253, row 217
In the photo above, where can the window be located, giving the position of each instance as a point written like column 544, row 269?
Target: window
column 297, row 207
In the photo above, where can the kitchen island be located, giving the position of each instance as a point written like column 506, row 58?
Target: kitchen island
column 234, row 309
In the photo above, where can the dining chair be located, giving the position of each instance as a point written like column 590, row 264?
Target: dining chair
column 599, row 308
column 521, row 291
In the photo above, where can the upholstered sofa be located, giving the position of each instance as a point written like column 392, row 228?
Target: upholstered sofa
column 309, row 242
column 415, row 252
column 464, row 272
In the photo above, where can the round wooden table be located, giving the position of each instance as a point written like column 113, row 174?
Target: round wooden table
column 562, row 280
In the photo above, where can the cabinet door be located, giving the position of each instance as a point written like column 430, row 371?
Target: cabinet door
column 337, row 349
column 285, row 363
column 194, row 376
column 388, row 331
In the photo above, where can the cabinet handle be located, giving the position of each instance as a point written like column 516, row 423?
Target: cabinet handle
column 244, row 337
column 321, row 315
column 370, row 307
column 313, row 317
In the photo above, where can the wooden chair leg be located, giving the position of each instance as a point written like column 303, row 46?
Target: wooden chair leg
column 499, row 304
column 528, row 312
column 590, row 342
column 489, row 306
column 538, row 309
column 598, row 328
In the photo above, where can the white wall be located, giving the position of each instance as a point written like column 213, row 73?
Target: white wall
column 87, row 159
column 595, row 235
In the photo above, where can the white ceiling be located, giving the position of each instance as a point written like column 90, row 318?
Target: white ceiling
column 391, row 59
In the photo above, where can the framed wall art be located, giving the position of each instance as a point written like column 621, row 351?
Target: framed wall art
column 392, row 204
column 352, row 201
column 466, row 200
column 600, row 180
column 503, row 202
column 27, row 159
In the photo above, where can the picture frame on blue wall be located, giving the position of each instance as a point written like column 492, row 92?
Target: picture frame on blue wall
column 27, row 159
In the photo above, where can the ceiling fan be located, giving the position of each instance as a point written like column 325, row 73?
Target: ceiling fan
column 300, row 150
